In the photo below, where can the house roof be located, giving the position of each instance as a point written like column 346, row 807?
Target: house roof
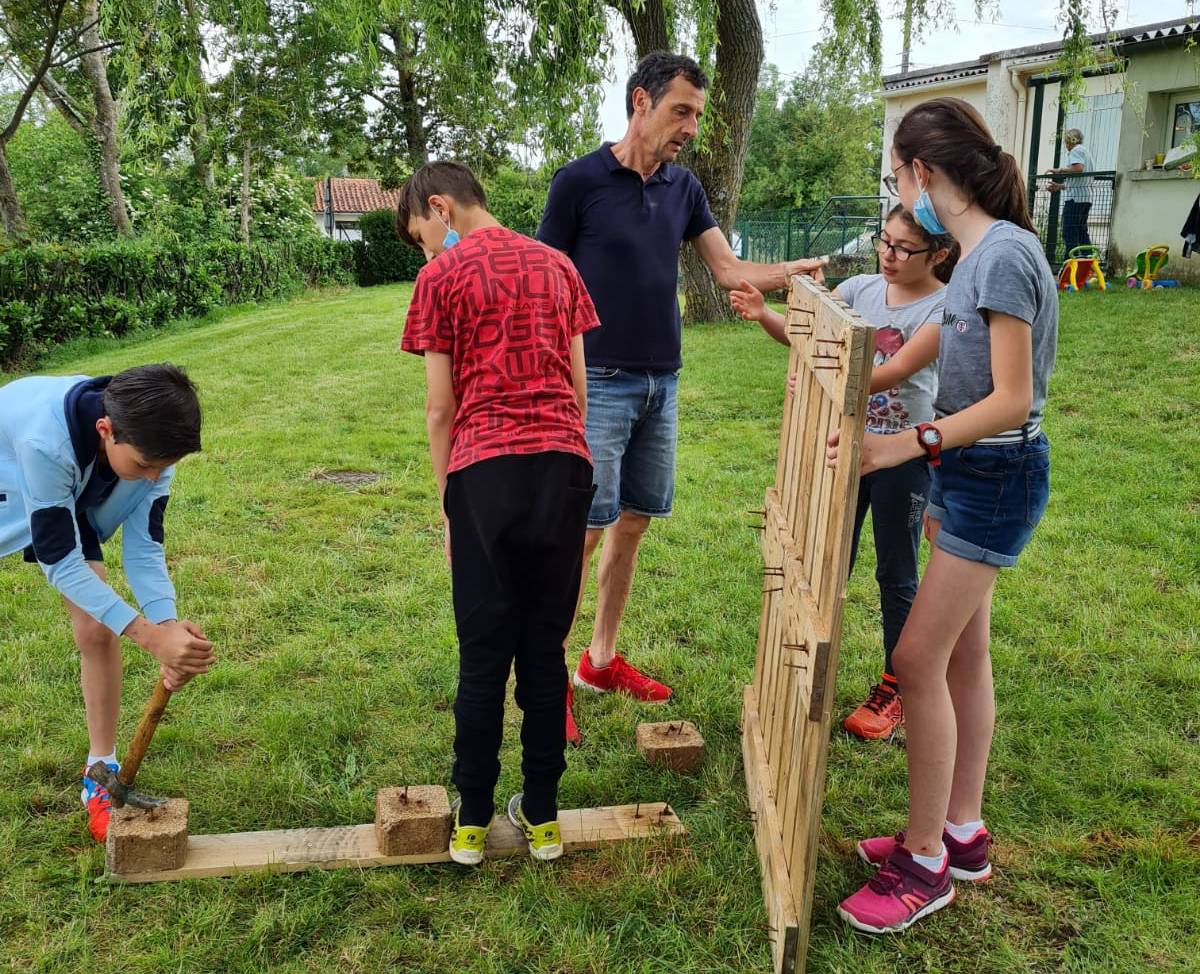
column 920, row 77
column 352, row 195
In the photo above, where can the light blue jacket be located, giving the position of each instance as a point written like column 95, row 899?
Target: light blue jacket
column 47, row 455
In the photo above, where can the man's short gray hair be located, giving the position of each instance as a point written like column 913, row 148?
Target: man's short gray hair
column 1074, row 134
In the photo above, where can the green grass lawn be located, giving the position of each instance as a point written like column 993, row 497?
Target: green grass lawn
column 331, row 613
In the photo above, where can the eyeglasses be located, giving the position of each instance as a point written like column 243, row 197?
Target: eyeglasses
column 902, row 253
column 890, row 182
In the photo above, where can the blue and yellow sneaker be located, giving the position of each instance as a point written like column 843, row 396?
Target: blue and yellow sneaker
column 467, row 841
column 97, row 804
column 545, row 840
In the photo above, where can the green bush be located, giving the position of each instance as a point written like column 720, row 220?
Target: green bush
column 516, row 197
column 50, row 293
column 380, row 257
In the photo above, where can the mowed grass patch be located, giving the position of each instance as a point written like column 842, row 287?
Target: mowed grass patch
column 330, row 606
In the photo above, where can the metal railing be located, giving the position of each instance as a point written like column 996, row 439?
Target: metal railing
column 841, row 227
column 1078, row 214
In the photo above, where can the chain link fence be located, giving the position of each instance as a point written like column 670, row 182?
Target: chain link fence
column 1079, row 213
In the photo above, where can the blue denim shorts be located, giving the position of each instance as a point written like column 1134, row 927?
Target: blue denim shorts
column 990, row 498
column 632, row 426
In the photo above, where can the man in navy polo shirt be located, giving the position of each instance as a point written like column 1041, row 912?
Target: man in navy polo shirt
column 622, row 213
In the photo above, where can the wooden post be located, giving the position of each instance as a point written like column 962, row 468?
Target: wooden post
column 806, row 557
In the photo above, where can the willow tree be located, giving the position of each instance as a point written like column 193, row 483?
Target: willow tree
column 80, row 88
column 35, row 37
column 471, row 78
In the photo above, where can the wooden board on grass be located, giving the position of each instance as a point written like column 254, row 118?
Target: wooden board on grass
column 355, row 846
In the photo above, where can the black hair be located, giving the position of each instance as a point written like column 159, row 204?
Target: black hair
column 451, row 179
column 952, row 135
column 935, row 241
column 155, row 409
column 655, row 72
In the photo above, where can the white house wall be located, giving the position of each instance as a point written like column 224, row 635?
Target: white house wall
column 972, row 90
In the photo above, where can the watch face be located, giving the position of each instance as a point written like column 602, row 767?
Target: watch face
column 930, row 437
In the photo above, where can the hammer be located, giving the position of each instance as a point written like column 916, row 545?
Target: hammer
column 120, row 784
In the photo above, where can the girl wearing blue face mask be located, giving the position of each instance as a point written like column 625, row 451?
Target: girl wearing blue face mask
column 990, row 484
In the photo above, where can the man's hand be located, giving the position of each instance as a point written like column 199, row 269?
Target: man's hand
column 748, row 301
column 812, row 266
column 181, row 647
column 1056, row 187
column 446, row 539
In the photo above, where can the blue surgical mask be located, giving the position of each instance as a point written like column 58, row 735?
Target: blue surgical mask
column 451, row 237
column 925, row 213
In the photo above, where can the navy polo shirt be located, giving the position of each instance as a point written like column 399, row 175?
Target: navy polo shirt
column 623, row 233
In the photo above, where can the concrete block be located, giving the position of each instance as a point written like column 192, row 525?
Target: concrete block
column 147, row 841
column 675, row 745
column 413, row 820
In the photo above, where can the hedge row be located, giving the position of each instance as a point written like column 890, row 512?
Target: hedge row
column 51, row 293
column 380, row 257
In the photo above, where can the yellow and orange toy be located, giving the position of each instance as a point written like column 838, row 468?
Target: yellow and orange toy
column 1082, row 270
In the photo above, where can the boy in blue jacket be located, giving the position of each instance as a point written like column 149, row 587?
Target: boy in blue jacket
column 80, row 458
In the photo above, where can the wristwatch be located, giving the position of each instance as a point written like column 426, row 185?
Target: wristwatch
column 930, row 438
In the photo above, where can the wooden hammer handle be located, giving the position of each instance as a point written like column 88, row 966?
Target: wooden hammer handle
column 143, row 734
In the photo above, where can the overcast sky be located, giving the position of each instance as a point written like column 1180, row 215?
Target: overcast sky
column 791, row 28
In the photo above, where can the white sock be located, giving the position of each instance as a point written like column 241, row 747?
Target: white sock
column 934, row 864
column 965, row 832
column 106, row 758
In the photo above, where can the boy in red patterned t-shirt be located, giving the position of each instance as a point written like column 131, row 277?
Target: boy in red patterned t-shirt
column 500, row 320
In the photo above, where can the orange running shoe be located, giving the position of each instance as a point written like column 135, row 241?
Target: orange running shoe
column 879, row 715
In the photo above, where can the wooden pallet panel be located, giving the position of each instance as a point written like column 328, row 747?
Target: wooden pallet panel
column 807, row 527
column 355, row 846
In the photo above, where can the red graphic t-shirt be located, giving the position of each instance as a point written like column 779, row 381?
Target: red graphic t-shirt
column 505, row 308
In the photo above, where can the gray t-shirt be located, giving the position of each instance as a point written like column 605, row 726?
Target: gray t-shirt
column 1007, row 273
column 1079, row 188
column 911, row 402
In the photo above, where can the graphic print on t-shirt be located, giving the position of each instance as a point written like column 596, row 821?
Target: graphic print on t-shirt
column 885, row 411
column 505, row 308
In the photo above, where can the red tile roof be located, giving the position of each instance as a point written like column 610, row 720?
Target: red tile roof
column 354, row 196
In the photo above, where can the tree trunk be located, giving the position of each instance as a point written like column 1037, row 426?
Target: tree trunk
column 104, row 123
column 731, row 104
column 62, row 101
column 10, row 207
column 651, row 28
column 198, row 130
column 416, row 138
column 246, row 192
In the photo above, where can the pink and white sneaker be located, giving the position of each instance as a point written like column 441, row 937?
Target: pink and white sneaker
column 968, row 860
column 898, row 895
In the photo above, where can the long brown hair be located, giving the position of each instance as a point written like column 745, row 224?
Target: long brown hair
column 935, row 242
column 950, row 134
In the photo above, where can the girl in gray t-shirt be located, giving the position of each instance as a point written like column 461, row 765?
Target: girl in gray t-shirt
column 905, row 304
column 990, row 484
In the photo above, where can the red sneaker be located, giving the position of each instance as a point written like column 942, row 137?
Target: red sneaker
column 574, row 738
column 898, row 895
column 99, row 808
column 879, row 715
column 622, row 678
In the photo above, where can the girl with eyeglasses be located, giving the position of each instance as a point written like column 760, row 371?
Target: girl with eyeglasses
column 904, row 301
column 990, row 485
